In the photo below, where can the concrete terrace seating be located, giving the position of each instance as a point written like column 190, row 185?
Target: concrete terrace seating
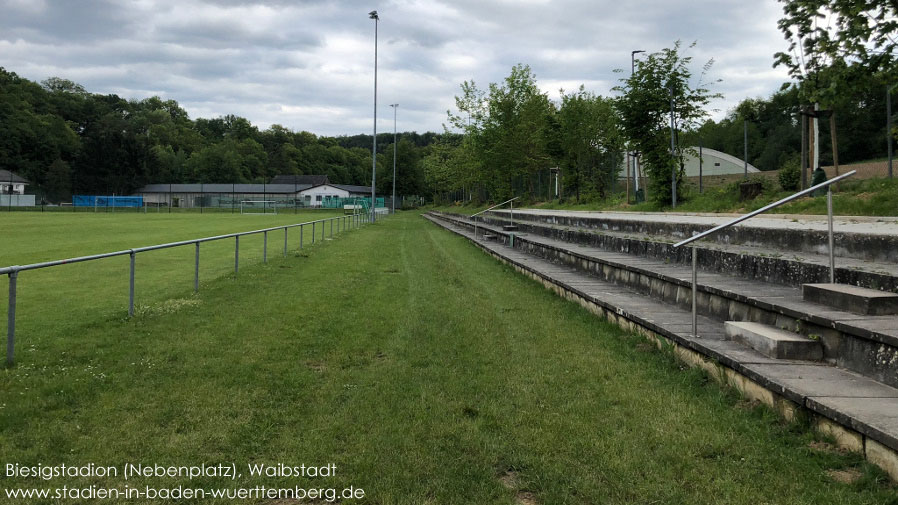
column 626, row 269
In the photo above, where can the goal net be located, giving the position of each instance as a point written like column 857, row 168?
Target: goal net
column 258, row 207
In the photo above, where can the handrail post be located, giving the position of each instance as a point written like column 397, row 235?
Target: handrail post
column 694, row 290
column 236, row 254
column 131, row 286
column 196, row 270
column 11, row 319
column 265, row 247
column 511, row 213
column 829, row 214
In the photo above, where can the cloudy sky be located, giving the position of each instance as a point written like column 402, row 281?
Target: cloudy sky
column 309, row 64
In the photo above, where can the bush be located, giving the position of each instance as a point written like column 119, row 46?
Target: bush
column 790, row 175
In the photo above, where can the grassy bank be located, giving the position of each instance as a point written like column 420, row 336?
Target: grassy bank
column 866, row 197
column 425, row 370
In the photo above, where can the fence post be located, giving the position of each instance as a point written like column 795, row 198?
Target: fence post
column 285, row 241
column 196, row 270
column 322, row 230
column 131, row 290
column 332, row 227
column 236, row 254
column 313, row 232
column 300, row 235
column 265, row 247
column 11, row 318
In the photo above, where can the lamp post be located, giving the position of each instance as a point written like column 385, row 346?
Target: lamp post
column 889, row 123
column 393, row 201
column 745, row 148
column 635, row 173
column 373, row 15
column 673, row 152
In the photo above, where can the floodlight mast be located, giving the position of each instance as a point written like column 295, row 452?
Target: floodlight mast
column 395, row 106
column 373, row 15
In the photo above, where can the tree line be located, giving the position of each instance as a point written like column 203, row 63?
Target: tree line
column 66, row 140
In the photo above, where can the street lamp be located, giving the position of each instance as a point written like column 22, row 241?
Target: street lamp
column 393, row 201
column 889, row 123
column 373, row 15
column 635, row 174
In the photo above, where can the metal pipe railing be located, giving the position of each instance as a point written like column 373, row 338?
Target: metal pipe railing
column 829, row 212
column 473, row 216
column 13, row 271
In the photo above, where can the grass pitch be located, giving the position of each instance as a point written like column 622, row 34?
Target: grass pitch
column 424, row 370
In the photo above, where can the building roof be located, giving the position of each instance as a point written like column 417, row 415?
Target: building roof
column 7, row 176
column 366, row 190
column 224, row 188
column 311, row 180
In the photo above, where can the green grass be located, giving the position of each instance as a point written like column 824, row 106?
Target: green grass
column 425, row 370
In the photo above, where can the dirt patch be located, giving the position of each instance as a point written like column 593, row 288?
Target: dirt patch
column 511, row 480
column 826, row 447
column 849, row 476
column 747, row 404
column 318, row 366
column 645, row 347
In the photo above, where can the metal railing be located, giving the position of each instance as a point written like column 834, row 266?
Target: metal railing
column 829, row 212
column 473, row 216
column 343, row 222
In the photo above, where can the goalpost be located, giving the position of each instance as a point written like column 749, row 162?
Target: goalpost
column 258, row 207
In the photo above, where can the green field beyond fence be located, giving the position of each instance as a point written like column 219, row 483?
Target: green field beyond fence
column 425, row 371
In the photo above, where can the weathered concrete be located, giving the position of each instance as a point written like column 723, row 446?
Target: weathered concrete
column 774, row 342
column 761, row 262
column 836, row 400
column 855, row 237
column 852, row 298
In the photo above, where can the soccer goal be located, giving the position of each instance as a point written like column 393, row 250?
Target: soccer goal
column 258, row 207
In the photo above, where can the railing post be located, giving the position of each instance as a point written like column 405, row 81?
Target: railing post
column 322, row 230
column 131, row 290
column 332, row 227
column 11, row 319
column 285, row 241
column 313, row 232
column 196, row 270
column 694, row 291
column 236, row 254
column 264, row 247
column 829, row 214
column 300, row 235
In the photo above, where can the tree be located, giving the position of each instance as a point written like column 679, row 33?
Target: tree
column 835, row 46
column 590, row 142
column 508, row 128
column 645, row 108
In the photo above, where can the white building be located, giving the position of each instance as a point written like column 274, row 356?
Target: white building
column 715, row 163
column 11, row 184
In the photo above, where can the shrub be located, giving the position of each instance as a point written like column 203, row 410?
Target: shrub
column 790, row 175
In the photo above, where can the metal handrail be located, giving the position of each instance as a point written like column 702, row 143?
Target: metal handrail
column 494, row 206
column 355, row 221
column 473, row 216
column 829, row 212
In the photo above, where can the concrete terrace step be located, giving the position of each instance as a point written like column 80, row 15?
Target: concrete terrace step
column 852, row 298
column 774, row 342
column 864, row 344
column 868, row 238
column 839, row 399
column 758, row 261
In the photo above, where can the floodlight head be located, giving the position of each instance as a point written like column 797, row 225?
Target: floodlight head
column 373, row 15
column 394, row 105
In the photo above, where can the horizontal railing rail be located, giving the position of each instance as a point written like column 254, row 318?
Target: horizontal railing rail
column 354, row 220
column 474, row 216
column 829, row 213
